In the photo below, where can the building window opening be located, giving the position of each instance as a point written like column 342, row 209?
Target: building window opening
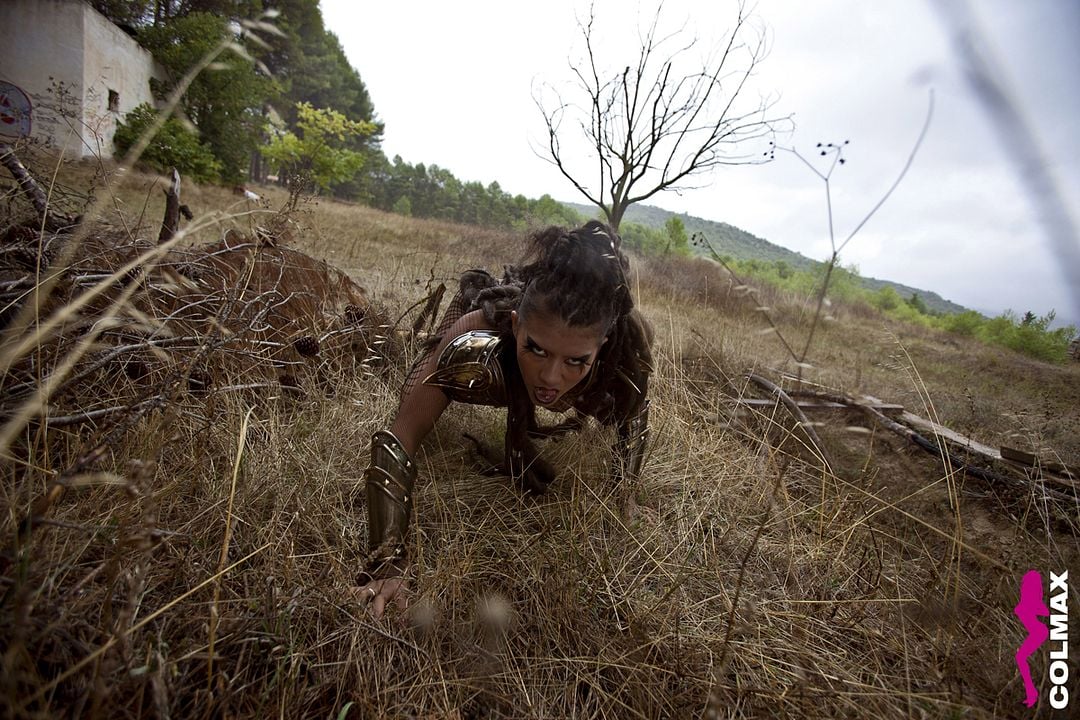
column 114, row 101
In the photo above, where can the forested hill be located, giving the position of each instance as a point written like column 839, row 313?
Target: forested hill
column 731, row 241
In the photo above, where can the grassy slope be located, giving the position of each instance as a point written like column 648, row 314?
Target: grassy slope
column 749, row 584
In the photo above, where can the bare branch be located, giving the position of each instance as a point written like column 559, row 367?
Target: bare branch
column 172, row 209
column 26, row 181
column 657, row 122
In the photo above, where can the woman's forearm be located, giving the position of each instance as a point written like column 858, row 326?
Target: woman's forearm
column 417, row 415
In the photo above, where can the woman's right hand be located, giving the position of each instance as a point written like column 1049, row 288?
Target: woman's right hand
column 378, row 594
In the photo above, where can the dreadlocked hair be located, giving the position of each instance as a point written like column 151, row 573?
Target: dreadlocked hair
column 578, row 276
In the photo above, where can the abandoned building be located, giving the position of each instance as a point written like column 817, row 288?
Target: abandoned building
column 80, row 72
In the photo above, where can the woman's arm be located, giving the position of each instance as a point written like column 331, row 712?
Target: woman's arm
column 633, row 439
column 633, row 429
column 391, row 474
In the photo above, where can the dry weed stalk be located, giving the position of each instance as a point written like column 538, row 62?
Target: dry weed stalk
column 835, row 153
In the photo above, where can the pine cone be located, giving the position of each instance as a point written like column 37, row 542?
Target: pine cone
column 307, row 346
column 354, row 314
column 198, row 382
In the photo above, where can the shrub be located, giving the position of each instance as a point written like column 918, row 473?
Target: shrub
column 1031, row 336
column 967, row 323
column 173, row 145
column 886, row 299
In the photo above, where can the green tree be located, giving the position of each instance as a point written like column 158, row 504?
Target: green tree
column 403, row 206
column 124, row 12
column 173, row 145
column 675, row 235
column 321, row 149
column 225, row 103
column 916, row 303
column 161, row 12
column 642, row 238
column 548, row 211
column 434, row 192
column 309, row 64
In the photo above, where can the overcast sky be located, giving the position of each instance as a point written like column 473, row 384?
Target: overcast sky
column 454, row 84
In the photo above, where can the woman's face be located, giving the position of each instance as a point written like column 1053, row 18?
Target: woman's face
column 553, row 356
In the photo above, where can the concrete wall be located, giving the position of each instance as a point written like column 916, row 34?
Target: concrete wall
column 114, row 62
column 67, row 57
column 41, row 51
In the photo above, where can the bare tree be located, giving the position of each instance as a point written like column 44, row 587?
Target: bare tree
column 662, row 121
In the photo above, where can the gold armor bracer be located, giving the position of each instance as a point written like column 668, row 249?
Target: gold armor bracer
column 389, row 484
column 630, row 447
column 469, row 371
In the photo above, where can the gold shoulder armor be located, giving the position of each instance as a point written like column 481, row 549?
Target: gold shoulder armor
column 468, row 369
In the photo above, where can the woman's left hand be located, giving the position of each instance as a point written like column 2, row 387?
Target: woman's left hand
column 379, row 593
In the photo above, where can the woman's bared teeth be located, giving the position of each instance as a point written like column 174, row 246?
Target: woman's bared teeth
column 545, row 395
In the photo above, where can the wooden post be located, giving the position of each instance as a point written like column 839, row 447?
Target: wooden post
column 171, row 221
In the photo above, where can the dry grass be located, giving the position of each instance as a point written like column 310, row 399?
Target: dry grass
column 749, row 584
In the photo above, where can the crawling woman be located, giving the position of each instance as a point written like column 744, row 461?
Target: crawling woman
column 559, row 332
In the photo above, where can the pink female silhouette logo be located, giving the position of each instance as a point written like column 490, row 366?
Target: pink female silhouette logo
column 1032, row 605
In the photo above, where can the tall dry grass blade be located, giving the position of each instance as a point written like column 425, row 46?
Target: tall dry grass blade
column 225, row 548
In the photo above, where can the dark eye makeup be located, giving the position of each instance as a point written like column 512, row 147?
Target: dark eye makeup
column 532, row 347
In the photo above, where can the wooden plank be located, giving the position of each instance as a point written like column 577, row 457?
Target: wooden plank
column 1062, row 476
column 916, row 427
column 1019, row 456
column 1030, row 460
column 956, row 438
